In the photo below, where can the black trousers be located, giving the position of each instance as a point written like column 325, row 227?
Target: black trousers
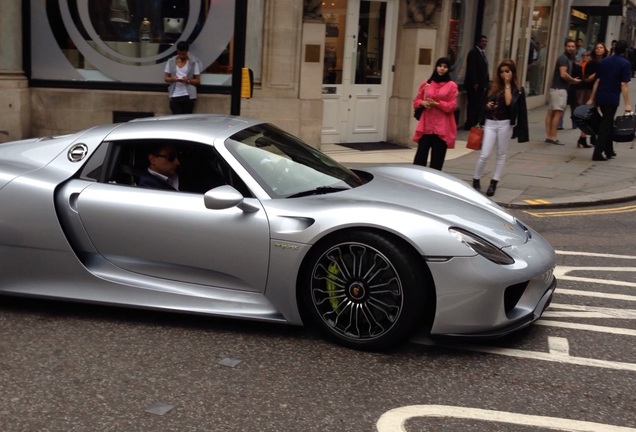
column 604, row 142
column 475, row 108
column 182, row 105
column 436, row 146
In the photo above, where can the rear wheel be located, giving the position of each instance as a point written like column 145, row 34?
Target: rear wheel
column 364, row 290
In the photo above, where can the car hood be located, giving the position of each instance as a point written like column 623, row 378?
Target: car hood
column 442, row 197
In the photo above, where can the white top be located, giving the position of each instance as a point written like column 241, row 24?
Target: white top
column 180, row 89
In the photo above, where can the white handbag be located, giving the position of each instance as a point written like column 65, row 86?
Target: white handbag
column 173, row 25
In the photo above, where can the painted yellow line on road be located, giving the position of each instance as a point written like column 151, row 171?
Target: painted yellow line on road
column 614, row 210
column 537, row 201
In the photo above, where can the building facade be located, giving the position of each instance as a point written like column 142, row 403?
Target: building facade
column 328, row 71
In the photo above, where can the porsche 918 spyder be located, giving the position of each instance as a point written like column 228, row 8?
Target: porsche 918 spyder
column 264, row 227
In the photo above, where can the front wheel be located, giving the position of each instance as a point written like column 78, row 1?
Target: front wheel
column 365, row 290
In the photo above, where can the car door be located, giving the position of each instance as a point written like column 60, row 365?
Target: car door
column 172, row 235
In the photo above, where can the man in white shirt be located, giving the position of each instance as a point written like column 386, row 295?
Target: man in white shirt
column 183, row 73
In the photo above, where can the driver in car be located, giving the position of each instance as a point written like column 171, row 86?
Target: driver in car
column 163, row 165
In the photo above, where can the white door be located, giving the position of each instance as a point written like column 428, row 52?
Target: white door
column 359, row 54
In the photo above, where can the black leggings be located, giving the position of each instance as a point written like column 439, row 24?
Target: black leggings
column 436, row 145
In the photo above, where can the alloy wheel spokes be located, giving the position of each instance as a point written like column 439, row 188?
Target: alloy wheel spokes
column 356, row 291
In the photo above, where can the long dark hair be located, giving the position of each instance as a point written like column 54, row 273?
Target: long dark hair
column 498, row 83
column 594, row 51
column 437, row 77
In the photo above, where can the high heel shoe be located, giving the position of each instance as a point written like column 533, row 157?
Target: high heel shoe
column 582, row 142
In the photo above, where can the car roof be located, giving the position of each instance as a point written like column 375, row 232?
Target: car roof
column 193, row 127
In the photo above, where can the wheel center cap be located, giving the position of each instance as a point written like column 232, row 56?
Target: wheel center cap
column 357, row 291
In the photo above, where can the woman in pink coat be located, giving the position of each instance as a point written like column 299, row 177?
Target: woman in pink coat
column 436, row 129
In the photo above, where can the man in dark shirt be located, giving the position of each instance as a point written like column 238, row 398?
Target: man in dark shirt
column 476, row 83
column 163, row 163
column 561, row 81
column 613, row 76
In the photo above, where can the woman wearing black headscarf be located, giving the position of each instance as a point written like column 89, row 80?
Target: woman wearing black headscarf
column 436, row 129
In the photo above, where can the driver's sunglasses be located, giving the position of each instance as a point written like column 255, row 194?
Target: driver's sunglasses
column 170, row 157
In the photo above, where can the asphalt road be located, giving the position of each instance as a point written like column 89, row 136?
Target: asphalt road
column 67, row 367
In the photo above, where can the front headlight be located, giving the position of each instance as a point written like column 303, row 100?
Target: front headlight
column 481, row 246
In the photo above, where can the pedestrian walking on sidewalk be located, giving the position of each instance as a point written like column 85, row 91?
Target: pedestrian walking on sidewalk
column 598, row 53
column 561, row 81
column 613, row 76
column 506, row 118
column 436, row 129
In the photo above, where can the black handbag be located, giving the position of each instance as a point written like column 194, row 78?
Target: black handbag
column 624, row 128
column 587, row 118
column 417, row 112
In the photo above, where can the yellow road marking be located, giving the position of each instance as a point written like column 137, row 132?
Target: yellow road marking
column 591, row 212
column 537, row 201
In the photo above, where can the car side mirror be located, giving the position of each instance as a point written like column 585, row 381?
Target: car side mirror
column 224, row 197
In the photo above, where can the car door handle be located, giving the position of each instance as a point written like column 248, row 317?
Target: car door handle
column 72, row 201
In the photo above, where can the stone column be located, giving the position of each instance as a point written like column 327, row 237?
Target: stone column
column 416, row 59
column 311, row 71
column 15, row 110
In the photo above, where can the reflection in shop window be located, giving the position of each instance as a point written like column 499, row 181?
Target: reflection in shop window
column 537, row 50
column 370, row 52
column 460, row 37
column 334, row 15
column 129, row 41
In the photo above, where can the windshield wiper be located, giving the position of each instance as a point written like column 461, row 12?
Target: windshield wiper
column 321, row 190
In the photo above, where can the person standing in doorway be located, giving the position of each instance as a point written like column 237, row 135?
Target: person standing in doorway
column 506, row 118
column 184, row 74
column 476, row 83
column 613, row 76
column 561, row 81
column 436, row 129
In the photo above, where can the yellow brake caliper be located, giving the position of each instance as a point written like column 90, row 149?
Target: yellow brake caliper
column 331, row 286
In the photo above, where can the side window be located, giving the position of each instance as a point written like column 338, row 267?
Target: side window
column 94, row 166
column 199, row 166
column 202, row 169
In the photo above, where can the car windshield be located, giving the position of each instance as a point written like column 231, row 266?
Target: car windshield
column 285, row 166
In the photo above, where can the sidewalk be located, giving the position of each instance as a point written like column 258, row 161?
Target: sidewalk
column 536, row 174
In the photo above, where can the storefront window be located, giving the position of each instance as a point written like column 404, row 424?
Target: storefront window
column 129, row 41
column 537, row 50
column 461, row 36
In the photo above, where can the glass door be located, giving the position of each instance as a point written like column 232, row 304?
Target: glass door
column 358, row 70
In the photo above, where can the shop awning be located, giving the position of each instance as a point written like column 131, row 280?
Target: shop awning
column 599, row 7
column 590, row 3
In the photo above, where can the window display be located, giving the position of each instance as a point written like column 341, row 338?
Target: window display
column 129, row 41
column 537, row 47
column 460, row 37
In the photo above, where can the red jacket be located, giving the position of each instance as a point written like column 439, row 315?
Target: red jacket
column 438, row 120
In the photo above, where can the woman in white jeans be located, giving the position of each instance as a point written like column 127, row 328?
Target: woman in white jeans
column 506, row 118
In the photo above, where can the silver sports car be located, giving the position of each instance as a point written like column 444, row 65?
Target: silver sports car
column 262, row 226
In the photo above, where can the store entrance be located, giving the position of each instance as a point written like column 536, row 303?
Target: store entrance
column 359, row 53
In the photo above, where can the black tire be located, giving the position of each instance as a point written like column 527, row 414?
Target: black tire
column 364, row 290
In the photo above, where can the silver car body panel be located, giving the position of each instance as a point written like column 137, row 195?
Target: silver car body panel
column 71, row 238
